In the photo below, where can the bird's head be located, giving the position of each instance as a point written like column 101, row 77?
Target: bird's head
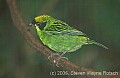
column 40, row 21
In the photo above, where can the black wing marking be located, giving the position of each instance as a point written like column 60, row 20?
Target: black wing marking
column 58, row 27
column 71, row 33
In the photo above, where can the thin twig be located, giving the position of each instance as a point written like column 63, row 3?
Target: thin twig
column 24, row 29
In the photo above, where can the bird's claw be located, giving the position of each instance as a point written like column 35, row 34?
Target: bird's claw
column 57, row 61
column 64, row 58
column 52, row 54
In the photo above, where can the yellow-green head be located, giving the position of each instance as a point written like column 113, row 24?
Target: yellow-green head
column 37, row 21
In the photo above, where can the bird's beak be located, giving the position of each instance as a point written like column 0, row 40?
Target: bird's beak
column 31, row 25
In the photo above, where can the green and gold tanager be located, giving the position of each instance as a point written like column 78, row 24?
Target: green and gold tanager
column 59, row 36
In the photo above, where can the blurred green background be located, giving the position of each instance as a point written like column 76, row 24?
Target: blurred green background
column 99, row 19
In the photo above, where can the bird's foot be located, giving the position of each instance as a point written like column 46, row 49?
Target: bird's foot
column 64, row 58
column 53, row 54
column 57, row 61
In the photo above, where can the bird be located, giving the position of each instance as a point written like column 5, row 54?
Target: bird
column 59, row 36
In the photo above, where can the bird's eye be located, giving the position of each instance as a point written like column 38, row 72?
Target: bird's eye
column 38, row 24
column 42, row 25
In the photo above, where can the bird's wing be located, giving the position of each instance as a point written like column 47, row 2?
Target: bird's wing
column 72, row 33
column 58, row 27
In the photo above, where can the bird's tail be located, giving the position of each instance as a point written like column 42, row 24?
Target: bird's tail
column 99, row 44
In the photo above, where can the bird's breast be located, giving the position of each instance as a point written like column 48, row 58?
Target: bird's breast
column 61, row 43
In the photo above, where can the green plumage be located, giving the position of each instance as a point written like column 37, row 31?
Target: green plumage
column 59, row 36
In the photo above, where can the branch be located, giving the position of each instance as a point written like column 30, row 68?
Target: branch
column 34, row 43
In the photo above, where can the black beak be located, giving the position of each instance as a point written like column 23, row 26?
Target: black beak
column 31, row 25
